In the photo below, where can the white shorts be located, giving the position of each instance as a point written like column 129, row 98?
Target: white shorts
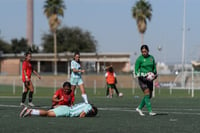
column 61, row 111
column 76, row 81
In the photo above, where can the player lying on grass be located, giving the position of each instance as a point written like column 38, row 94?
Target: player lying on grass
column 77, row 110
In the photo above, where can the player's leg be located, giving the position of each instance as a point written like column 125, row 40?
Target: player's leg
column 82, row 88
column 150, row 86
column 73, row 84
column 147, row 102
column 60, row 111
column 32, row 112
column 38, row 112
column 83, row 93
column 31, row 88
column 107, row 90
column 147, row 99
column 143, row 87
column 73, row 87
column 110, row 92
column 51, row 113
column 116, row 90
column 24, row 94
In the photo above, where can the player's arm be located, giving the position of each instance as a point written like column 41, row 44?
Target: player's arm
column 27, row 81
column 154, row 69
column 26, row 77
column 24, row 71
column 37, row 74
column 83, row 114
column 137, row 66
column 78, row 70
column 154, row 66
column 55, row 98
column 73, row 68
column 73, row 98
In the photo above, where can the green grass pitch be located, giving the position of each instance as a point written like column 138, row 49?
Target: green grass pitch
column 177, row 113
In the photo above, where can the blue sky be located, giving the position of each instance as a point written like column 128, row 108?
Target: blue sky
column 112, row 25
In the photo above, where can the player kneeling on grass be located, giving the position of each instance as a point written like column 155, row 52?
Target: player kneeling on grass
column 77, row 110
column 63, row 96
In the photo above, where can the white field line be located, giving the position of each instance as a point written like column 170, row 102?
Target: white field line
column 178, row 111
column 158, row 111
column 18, row 106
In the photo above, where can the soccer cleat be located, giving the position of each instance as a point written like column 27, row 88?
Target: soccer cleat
column 31, row 104
column 152, row 114
column 27, row 112
column 23, row 111
column 22, row 104
column 140, row 112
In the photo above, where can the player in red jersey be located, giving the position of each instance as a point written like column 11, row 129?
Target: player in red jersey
column 26, row 78
column 63, row 96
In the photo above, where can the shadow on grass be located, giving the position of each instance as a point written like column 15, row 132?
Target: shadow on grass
column 161, row 114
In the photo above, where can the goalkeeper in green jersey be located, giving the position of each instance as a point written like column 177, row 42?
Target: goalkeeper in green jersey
column 144, row 64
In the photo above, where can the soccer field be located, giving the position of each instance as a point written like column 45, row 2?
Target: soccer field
column 176, row 114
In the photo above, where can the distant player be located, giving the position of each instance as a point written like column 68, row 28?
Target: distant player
column 63, row 96
column 78, row 110
column 111, row 80
column 76, row 76
column 27, row 70
column 110, row 68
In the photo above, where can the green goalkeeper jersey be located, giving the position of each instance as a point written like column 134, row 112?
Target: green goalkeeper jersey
column 143, row 65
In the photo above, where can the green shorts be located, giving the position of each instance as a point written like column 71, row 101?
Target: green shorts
column 76, row 81
column 61, row 111
column 111, row 86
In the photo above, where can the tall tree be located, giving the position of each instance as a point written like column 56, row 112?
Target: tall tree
column 21, row 45
column 4, row 47
column 141, row 12
column 53, row 9
column 70, row 39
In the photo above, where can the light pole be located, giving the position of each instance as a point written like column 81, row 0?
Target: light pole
column 183, row 43
column 160, row 49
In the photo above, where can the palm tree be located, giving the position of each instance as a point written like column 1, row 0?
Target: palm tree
column 142, row 11
column 53, row 9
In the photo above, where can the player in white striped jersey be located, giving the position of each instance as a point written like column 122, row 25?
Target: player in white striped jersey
column 76, row 76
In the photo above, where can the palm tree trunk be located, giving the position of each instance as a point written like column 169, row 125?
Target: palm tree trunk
column 30, row 23
column 55, row 53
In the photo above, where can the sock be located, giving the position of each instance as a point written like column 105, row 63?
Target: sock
column 30, row 96
column 107, row 91
column 35, row 112
column 116, row 90
column 84, row 96
column 148, row 103
column 24, row 96
column 142, row 103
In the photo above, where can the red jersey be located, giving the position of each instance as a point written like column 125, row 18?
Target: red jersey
column 68, row 98
column 27, row 67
